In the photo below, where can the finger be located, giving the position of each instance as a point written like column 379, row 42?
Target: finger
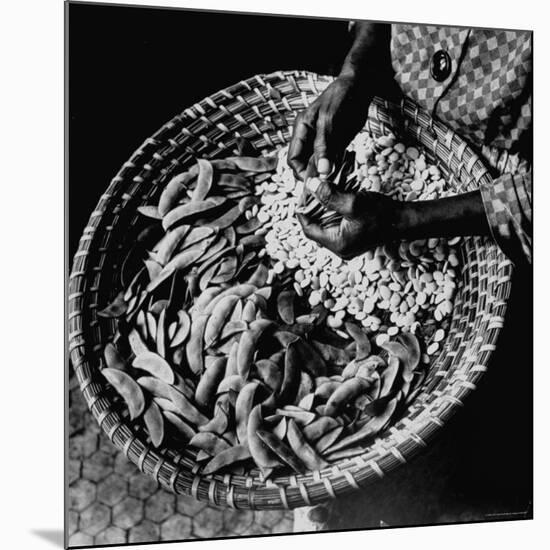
column 326, row 236
column 323, row 158
column 324, row 166
column 314, row 231
column 330, row 198
column 301, row 146
column 311, row 168
column 306, row 197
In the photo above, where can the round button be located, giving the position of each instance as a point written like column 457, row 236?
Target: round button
column 441, row 65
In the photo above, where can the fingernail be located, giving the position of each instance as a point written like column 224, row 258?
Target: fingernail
column 323, row 166
column 312, row 184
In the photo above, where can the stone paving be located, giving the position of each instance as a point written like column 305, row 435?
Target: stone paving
column 111, row 502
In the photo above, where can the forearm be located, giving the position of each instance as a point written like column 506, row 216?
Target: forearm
column 368, row 56
column 460, row 215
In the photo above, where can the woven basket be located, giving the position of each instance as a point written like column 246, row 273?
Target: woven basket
column 262, row 109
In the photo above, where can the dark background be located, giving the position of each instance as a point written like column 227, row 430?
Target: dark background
column 132, row 69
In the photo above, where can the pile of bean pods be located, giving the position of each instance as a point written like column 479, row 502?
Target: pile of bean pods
column 218, row 349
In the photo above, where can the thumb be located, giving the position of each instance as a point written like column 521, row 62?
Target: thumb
column 324, row 162
column 331, row 198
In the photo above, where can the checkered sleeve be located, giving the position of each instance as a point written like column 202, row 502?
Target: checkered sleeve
column 507, row 202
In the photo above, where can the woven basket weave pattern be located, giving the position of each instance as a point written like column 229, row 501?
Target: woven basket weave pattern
column 262, row 110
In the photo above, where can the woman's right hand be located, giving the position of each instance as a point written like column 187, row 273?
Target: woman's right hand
column 324, row 130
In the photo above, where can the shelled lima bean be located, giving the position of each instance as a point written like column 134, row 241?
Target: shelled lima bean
column 392, row 288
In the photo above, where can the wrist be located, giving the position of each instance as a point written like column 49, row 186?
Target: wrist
column 356, row 77
column 405, row 217
column 368, row 58
column 447, row 217
column 350, row 72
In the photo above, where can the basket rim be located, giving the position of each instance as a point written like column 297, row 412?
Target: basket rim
column 277, row 495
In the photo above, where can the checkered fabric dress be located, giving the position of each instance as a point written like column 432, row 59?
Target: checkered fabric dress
column 486, row 98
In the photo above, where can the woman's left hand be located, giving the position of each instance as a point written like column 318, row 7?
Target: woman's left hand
column 368, row 219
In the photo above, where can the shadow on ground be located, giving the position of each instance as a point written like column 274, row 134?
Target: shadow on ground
column 55, row 536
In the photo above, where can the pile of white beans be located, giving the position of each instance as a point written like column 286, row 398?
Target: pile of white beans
column 395, row 287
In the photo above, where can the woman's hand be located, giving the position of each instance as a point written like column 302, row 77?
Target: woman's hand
column 324, row 130
column 368, row 219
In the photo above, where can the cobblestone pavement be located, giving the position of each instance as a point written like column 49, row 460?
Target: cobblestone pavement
column 111, row 502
